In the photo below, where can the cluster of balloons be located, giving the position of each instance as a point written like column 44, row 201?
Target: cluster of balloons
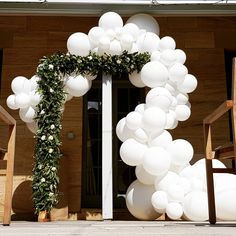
column 166, row 182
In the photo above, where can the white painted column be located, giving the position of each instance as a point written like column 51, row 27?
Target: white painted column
column 107, row 178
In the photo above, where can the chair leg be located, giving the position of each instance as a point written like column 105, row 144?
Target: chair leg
column 210, row 192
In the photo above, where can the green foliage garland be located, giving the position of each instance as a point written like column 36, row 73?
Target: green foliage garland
column 52, row 70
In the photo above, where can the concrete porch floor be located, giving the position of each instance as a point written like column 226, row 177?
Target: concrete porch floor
column 115, row 228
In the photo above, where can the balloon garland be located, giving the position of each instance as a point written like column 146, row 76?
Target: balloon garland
column 166, row 182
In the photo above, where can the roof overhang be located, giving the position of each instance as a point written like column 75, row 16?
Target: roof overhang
column 123, row 7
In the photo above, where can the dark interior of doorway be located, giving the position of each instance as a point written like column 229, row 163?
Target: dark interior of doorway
column 125, row 97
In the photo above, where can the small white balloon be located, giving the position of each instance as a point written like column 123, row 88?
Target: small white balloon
column 78, row 44
column 181, row 151
column 133, row 120
column 34, row 82
column 22, row 100
column 160, row 140
column 11, row 102
column 156, row 56
column 34, row 98
column 104, row 43
column 168, row 57
column 145, row 21
column 156, row 160
column 181, row 56
column 174, row 210
column 110, row 20
column 148, row 42
column 122, row 131
column 140, row 108
column 95, row 34
column 175, row 193
column 132, row 152
column 167, row 42
column 138, row 201
column 171, row 121
column 177, row 72
column 134, row 48
column 154, row 119
column 182, row 112
column 166, row 181
column 126, row 42
column 135, row 79
column 143, row 176
column 140, row 135
column 20, row 84
column 188, row 85
column 110, row 33
column 182, row 98
column 32, row 127
column 132, row 29
column 27, row 115
column 154, row 74
column 160, row 201
column 115, row 47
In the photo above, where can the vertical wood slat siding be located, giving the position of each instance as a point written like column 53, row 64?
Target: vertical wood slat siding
column 25, row 39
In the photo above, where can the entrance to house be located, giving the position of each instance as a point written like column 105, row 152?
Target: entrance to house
column 125, row 97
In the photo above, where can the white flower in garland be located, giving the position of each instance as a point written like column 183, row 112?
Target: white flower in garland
column 43, row 137
column 42, row 112
column 43, row 180
column 54, row 168
column 50, row 137
column 40, row 166
column 52, row 126
column 50, row 67
column 50, row 150
column 50, row 194
column 51, row 90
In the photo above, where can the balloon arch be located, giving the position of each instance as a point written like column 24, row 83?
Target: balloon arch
column 166, row 182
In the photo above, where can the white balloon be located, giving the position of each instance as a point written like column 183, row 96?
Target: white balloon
column 115, row 47
column 181, row 151
column 225, row 204
column 34, row 98
column 20, row 84
column 182, row 98
column 148, row 42
column 156, row 160
column 110, row 20
column 90, row 77
column 168, row 57
column 224, row 182
column 181, row 56
column 110, row 33
column 131, row 152
column 174, row 210
column 177, row 72
column 27, row 114
column 131, row 28
column 95, row 34
column 78, row 85
column 78, row 44
column 140, row 135
column 140, row 108
column 32, row 126
column 159, row 201
column 143, row 176
column 11, row 102
column 134, row 48
column 160, row 140
column 154, row 74
column 133, row 120
column 122, row 131
column 119, row 32
column 164, row 183
column 154, row 119
column 34, row 82
column 138, row 201
column 104, row 43
column 156, row 56
column 171, row 87
column 167, row 43
column 189, row 84
column 185, row 184
column 145, row 21
column 159, row 97
column 126, row 42
column 182, row 112
column 171, row 121
column 195, row 206
column 22, row 100
column 135, row 79
column 175, row 193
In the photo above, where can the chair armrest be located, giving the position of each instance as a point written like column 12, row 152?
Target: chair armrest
column 218, row 112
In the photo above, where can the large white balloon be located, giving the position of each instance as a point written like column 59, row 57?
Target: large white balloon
column 78, row 44
column 132, row 152
column 154, row 74
column 78, row 85
column 135, row 79
column 177, row 72
column 189, row 84
column 20, row 84
column 22, row 100
column 195, row 206
column 95, row 34
column 11, row 102
column 167, row 43
column 160, row 140
column 174, row 210
column 151, row 116
column 138, row 201
column 122, row 131
column 131, row 28
column 168, row 57
column 143, row 176
column 148, row 42
column 175, row 193
column 181, row 151
column 160, row 201
column 156, row 160
column 104, row 43
column 144, row 21
column 27, row 114
column 140, row 108
column 110, row 20
column 133, row 120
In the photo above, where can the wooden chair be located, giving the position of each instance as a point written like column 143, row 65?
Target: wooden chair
column 7, row 164
column 223, row 152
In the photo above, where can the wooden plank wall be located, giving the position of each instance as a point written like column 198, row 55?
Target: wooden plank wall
column 25, row 39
